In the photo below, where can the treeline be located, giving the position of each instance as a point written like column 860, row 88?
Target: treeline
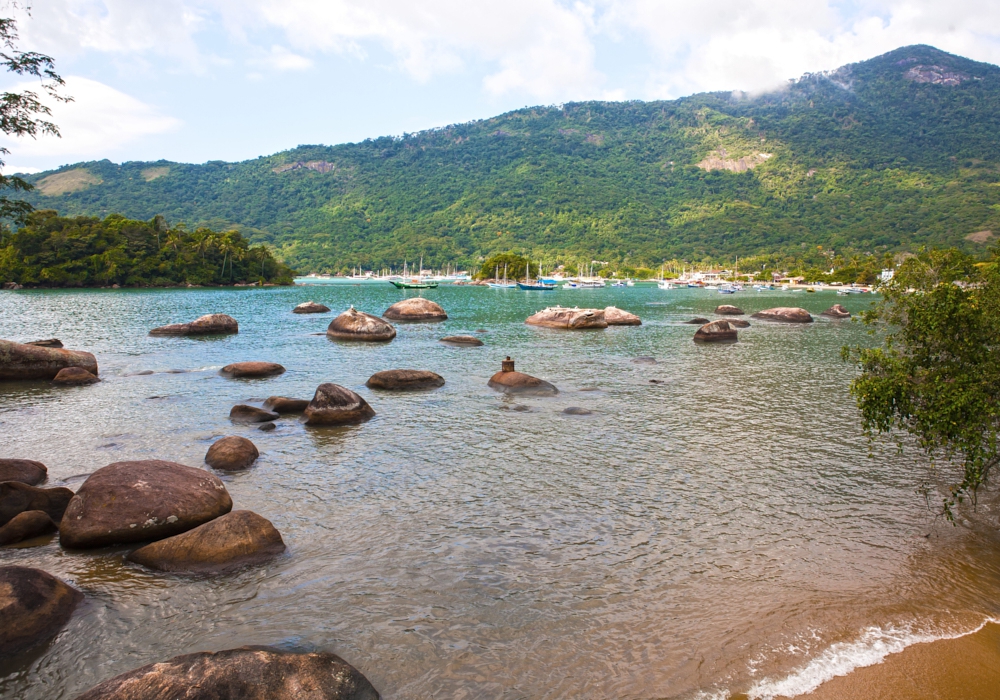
column 55, row 251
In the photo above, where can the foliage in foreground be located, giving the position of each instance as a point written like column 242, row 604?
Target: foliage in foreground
column 937, row 374
column 55, row 251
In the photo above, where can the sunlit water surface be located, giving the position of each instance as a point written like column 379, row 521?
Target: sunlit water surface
column 712, row 533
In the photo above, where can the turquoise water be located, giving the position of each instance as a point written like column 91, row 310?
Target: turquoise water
column 693, row 535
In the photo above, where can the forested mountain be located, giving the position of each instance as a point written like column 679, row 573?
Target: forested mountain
column 881, row 156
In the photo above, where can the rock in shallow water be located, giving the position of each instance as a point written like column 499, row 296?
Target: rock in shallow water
column 232, row 453
column 241, row 413
column 520, row 383
column 405, row 380
column 24, row 526
column 836, row 311
column 140, row 501
column 210, row 324
column 568, row 319
column 645, row 360
column 16, row 497
column 336, row 405
column 415, row 309
column 19, row 361
column 251, row 370
column 577, row 411
column 27, row 471
column 616, row 317
column 247, row 673
column 784, row 314
column 359, row 326
column 716, row 332
column 283, row 404
column 738, row 323
column 462, row 340
column 310, row 307
column 698, row 320
column 74, row 376
column 35, row 605
column 728, row 310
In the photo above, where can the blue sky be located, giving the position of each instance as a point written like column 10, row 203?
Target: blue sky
column 199, row 80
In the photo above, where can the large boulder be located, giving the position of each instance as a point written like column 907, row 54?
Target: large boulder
column 716, row 332
column 470, row 341
column 616, row 317
column 357, row 325
column 251, row 370
column 232, row 453
column 784, row 314
column 728, row 310
column 24, row 526
column 241, row 413
column 415, row 309
column 247, row 673
column 210, row 324
column 27, row 471
column 16, row 497
column 405, row 380
column 310, row 307
column 34, row 606
column 568, row 319
column 140, row 501
column 234, row 540
column 836, row 311
column 336, row 405
column 283, row 404
column 74, row 376
column 21, row 361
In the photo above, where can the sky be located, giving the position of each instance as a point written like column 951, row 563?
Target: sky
column 201, row 80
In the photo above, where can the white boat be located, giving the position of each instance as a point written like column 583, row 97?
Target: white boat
column 618, row 283
column 501, row 285
column 665, row 284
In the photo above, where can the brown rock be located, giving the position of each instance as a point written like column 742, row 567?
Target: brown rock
column 283, row 404
column 27, row 471
column 357, row 325
column 577, row 411
column 728, row 310
column 251, row 370
column 520, row 383
column 336, row 405
column 415, row 309
column 241, row 413
column 210, row 324
column 698, row 321
column 836, row 311
column 568, row 319
column 16, row 497
column 24, row 526
column 74, row 376
column 716, row 332
column 247, row 673
column 784, row 314
column 50, row 343
column 738, row 323
column 19, row 361
column 266, row 427
column 231, row 454
column 405, row 380
column 34, row 606
column 140, row 501
column 616, row 317
column 463, row 340
column 310, row 307
column 234, row 540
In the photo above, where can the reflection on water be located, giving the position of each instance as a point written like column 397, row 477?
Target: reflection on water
column 721, row 527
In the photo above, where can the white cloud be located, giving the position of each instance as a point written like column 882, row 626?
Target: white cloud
column 98, row 122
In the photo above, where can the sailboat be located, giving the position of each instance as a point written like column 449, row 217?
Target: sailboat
column 498, row 284
column 418, row 282
column 538, row 285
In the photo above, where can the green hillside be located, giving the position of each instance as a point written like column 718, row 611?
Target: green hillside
column 880, row 156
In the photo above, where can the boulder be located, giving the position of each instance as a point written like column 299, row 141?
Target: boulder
column 728, row 310
column 738, row 323
column 405, row 380
column 511, row 382
column 27, row 471
column 234, row 540
column 251, row 370
column 210, row 324
column 568, row 319
column 19, row 361
column 616, row 317
column 335, row 405
column 241, row 413
column 74, row 376
column 784, row 314
column 415, row 309
column 716, row 332
column 231, row 454
column 698, row 321
column 836, row 311
column 462, row 341
column 16, row 497
column 577, row 411
column 141, row 501
column 283, row 404
column 24, row 526
column 49, row 343
column 247, row 673
column 34, row 606
column 357, row 325
column 310, row 307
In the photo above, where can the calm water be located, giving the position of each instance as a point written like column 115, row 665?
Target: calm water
column 723, row 531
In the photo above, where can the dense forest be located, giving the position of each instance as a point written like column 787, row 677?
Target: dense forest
column 875, row 158
column 54, row 251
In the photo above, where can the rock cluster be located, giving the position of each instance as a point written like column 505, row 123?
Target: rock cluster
column 568, row 319
column 415, row 309
column 357, row 325
column 836, row 311
column 35, row 606
column 716, row 332
column 616, row 317
column 728, row 310
column 310, row 307
column 231, row 453
column 251, row 370
column 210, row 324
column 784, row 314
column 405, row 380
column 27, row 471
column 336, row 405
column 21, row 361
column 462, row 341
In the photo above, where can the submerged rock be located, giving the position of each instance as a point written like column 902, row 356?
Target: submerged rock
column 24, row 526
column 698, row 320
column 415, row 309
column 511, row 382
column 836, row 311
column 577, row 411
column 336, row 405
column 140, row 501
column 405, row 380
column 283, row 404
column 247, row 673
column 232, row 453
column 210, row 324
column 48, row 343
column 462, row 340
column 241, row 413
column 74, row 376
column 728, row 310
column 357, row 325
column 784, row 314
column 738, row 323
column 716, row 332
column 266, row 427
column 250, row 370
column 35, row 605
column 16, row 498
column 568, row 319
column 310, row 307
column 616, row 317
column 645, row 360
column 27, row 471
column 21, row 361
column 234, row 540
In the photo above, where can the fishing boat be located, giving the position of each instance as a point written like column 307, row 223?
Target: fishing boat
column 665, row 284
column 618, row 283
column 538, row 285
column 420, row 281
